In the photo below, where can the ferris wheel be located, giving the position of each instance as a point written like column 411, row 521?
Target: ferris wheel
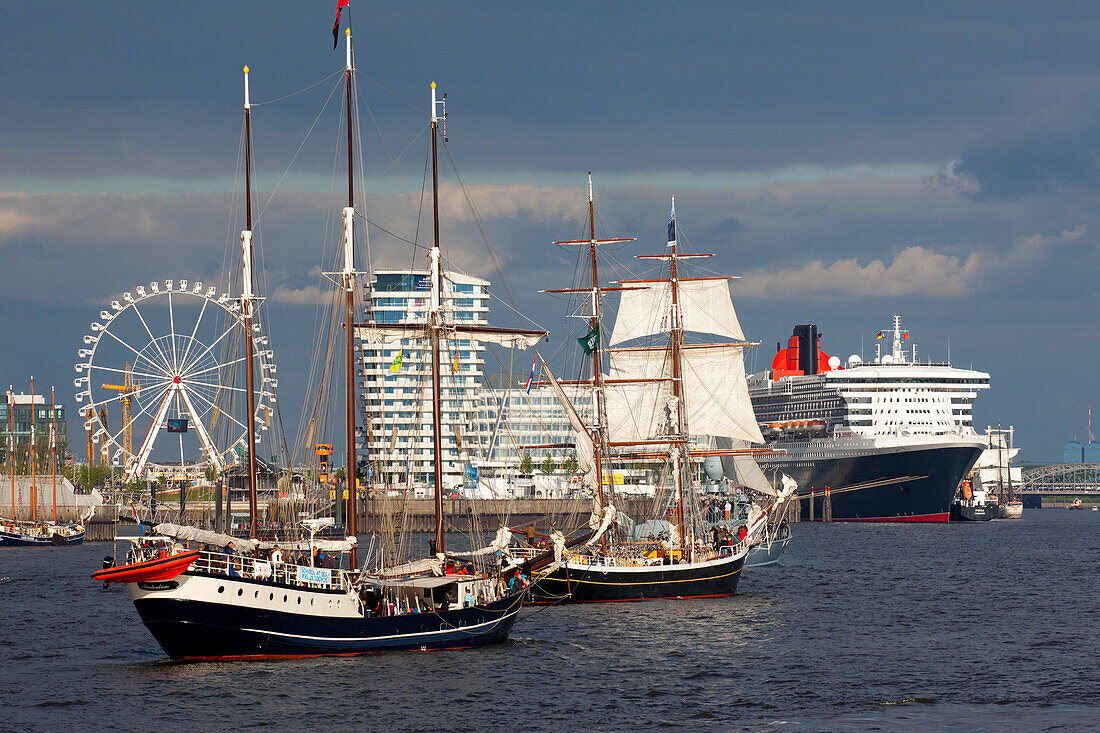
column 162, row 379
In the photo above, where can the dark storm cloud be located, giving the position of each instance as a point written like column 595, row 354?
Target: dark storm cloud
column 797, row 139
column 1044, row 156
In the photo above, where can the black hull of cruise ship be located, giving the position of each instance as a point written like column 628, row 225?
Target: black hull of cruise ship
column 202, row 630
column 881, row 485
column 603, row 584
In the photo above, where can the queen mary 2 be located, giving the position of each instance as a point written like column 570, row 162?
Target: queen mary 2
column 883, row 441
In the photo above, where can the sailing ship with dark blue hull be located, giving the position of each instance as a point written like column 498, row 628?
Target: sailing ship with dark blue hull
column 579, row 582
column 247, row 598
column 659, row 390
column 29, row 534
column 208, row 616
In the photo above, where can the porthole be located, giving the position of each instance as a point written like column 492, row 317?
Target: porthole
column 221, row 589
column 270, row 596
column 257, row 594
column 284, row 599
column 311, row 601
column 240, row 591
column 299, row 600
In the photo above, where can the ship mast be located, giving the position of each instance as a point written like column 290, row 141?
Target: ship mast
column 34, row 460
column 677, row 336
column 53, row 450
column 435, row 322
column 247, row 303
column 594, row 322
column 349, row 281
column 597, row 369
column 11, row 447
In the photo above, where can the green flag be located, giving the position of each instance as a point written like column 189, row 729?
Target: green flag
column 591, row 340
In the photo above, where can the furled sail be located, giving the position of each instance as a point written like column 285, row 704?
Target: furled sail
column 514, row 338
column 714, row 389
column 586, row 449
column 705, row 307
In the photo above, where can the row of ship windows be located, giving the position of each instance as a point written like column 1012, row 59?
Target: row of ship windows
column 906, row 380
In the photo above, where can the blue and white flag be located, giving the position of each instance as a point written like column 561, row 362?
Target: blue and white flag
column 672, row 225
column 531, row 378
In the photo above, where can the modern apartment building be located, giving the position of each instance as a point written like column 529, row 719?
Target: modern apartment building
column 395, row 398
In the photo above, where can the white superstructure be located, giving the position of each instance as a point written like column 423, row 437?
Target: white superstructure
column 895, row 395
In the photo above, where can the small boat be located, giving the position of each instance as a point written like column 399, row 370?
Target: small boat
column 1077, row 504
column 769, row 549
column 1012, row 510
column 163, row 566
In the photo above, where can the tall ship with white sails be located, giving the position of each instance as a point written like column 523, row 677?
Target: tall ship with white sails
column 885, row 441
column 672, row 369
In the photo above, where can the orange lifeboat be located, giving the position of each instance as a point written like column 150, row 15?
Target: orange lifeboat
column 161, row 568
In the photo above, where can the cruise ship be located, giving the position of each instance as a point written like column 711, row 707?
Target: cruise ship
column 881, row 441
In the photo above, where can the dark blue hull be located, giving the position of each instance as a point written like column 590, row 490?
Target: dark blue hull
column 601, row 584
column 204, row 630
column 887, row 486
column 13, row 539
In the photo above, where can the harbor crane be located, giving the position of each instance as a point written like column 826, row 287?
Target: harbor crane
column 127, row 388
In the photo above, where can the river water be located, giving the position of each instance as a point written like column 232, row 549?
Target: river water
column 990, row 626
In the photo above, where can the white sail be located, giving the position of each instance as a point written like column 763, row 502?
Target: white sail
column 705, row 307
column 715, row 392
column 639, row 411
column 743, row 469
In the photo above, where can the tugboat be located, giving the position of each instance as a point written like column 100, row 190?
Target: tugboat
column 972, row 505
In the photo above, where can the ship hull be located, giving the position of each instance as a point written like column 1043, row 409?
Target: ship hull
column 578, row 583
column 905, row 484
column 766, row 553
column 18, row 539
column 192, row 619
column 973, row 512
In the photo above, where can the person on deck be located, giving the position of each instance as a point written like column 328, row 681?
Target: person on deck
column 468, row 599
column 742, row 533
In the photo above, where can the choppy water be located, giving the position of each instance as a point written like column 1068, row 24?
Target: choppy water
column 990, row 626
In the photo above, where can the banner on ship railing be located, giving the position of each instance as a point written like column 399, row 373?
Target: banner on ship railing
column 315, row 575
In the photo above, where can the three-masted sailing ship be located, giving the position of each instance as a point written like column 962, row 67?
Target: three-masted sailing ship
column 246, row 598
column 653, row 388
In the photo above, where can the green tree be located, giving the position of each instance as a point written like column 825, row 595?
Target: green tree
column 569, row 465
column 547, row 465
column 526, row 465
